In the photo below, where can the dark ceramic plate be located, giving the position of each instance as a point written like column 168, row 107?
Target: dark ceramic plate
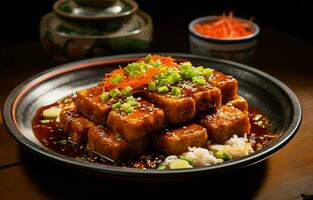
column 263, row 91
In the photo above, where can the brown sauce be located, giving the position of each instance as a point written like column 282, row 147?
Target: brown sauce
column 55, row 139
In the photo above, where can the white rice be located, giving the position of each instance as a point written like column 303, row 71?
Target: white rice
column 235, row 146
column 201, row 157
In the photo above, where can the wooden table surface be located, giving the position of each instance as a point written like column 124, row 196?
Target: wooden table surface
column 288, row 174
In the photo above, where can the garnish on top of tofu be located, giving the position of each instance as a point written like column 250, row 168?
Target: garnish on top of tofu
column 153, row 73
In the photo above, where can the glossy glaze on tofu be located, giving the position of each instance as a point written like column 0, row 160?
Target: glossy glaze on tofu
column 240, row 103
column 75, row 125
column 227, row 84
column 178, row 140
column 176, row 109
column 226, row 122
column 145, row 119
column 207, row 98
column 108, row 143
column 90, row 105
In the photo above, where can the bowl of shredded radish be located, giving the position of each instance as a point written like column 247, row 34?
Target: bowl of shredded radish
column 224, row 36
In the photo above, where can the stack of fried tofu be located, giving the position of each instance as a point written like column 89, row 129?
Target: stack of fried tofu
column 168, row 123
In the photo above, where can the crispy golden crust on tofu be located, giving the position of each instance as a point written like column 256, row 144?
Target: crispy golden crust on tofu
column 239, row 103
column 91, row 106
column 75, row 125
column 226, row 122
column 177, row 141
column 207, row 99
column 106, row 142
column 145, row 119
column 227, row 84
column 176, row 109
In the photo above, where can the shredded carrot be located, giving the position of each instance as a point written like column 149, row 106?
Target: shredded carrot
column 139, row 81
column 224, row 27
column 170, row 62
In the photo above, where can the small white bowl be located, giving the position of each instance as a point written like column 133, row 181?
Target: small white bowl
column 239, row 49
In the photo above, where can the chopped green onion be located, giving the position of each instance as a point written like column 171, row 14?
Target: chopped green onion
column 142, row 68
column 186, row 64
column 114, row 92
column 149, row 66
column 104, row 96
column 132, row 103
column 199, row 68
column 151, row 86
column 52, row 112
column 127, row 91
column 130, row 98
column 186, row 158
column 148, row 58
column 223, row 155
column 63, row 142
column 135, row 73
column 116, row 105
column 163, row 81
column 80, row 158
column 131, row 67
column 207, row 72
column 176, row 91
column 180, row 164
column 163, row 89
column 126, row 107
column 117, row 78
column 157, row 63
column 44, row 121
column 173, row 77
column 199, row 80
column 162, row 167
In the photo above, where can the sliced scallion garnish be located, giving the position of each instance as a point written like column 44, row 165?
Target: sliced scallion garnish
column 163, row 89
column 104, row 96
column 114, row 92
column 117, row 105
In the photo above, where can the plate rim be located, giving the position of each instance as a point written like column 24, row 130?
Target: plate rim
column 267, row 151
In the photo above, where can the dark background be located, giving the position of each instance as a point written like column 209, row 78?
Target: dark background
column 20, row 18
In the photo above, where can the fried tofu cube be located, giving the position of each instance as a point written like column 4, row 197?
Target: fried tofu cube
column 207, row 99
column 91, row 106
column 226, row 122
column 107, row 143
column 227, row 84
column 177, row 141
column 240, row 103
column 75, row 125
column 177, row 109
column 145, row 119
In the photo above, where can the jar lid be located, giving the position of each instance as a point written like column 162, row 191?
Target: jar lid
column 71, row 10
